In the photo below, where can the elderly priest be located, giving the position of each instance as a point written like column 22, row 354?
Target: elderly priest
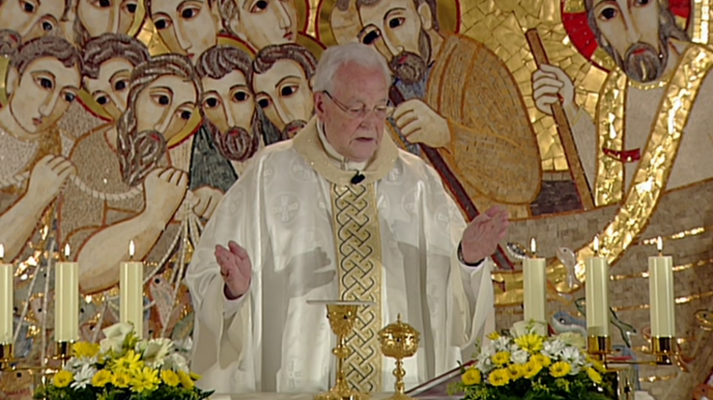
column 338, row 212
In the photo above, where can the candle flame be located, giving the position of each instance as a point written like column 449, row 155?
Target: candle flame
column 659, row 244
column 66, row 250
column 596, row 244
column 2, row 251
column 533, row 246
column 132, row 249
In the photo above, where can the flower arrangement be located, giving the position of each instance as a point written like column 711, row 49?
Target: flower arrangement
column 122, row 367
column 530, row 366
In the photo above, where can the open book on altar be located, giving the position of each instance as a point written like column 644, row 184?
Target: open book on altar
column 437, row 388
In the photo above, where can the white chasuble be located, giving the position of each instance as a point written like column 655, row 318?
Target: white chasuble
column 312, row 235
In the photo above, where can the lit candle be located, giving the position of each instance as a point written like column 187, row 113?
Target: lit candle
column 663, row 321
column 66, row 306
column 7, row 299
column 131, row 305
column 597, row 293
column 535, row 285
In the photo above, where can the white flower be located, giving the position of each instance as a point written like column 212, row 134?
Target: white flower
column 155, row 351
column 84, row 377
column 501, row 344
column 484, row 363
column 115, row 336
column 519, row 357
column 553, row 348
column 573, row 356
column 573, row 339
column 176, row 362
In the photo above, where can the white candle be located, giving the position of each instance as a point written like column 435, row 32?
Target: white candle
column 131, row 305
column 66, row 306
column 597, row 293
column 661, row 296
column 7, row 299
column 535, row 286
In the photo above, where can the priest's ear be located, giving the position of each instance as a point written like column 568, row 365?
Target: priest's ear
column 319, row 104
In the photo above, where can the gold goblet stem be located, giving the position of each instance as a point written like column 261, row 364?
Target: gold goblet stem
column 399, row 373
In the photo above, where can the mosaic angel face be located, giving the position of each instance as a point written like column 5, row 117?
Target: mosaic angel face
column 187, row 27
column 228, row 102
column 101, row 16
column 397, row 28
column 42, row 93
column 265, row 22
column 111, row 89
column 32, row 18
column 166, row 105
column 284, row 93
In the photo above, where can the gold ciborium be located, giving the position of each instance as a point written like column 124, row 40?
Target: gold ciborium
column 342, row 318
column 399, row 341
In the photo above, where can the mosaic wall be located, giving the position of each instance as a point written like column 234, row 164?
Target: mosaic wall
column 128, row 120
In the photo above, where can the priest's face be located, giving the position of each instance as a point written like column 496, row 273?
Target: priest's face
column 354, row 114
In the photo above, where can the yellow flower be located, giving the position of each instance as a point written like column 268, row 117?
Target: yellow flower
column 102, row 378
column 170, row 378
column 501, row 358
column 63, row 379
column 494, row 335
column 541, row 359
column 499, row 377
column 145, row 380
column 596, row 364
column 515, row 371
column 186, row 380
column 85, row 350
column 129, row 362
column 560, row 369
column 121, row 379
column 471, row 377
column 531, row 369
column 594, row 375
column 531, row 342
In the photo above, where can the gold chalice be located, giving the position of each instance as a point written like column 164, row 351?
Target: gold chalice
column 399, row 340
column 342, row 318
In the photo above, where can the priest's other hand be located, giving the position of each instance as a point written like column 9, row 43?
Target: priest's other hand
column 481, row 237
column 235, row 268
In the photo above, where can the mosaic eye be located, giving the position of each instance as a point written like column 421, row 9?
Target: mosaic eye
column 396, row 22
column 46, row 26
column 264, row 103
column 185, row 115
column 120, row 85
column 370, row 37
column 28, row 7
column 288, row 90
column 211, row 102
column 240, row 96
column 608, row 13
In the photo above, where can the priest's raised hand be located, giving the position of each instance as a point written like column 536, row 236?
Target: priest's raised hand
column 481, row 237
column 235, row 268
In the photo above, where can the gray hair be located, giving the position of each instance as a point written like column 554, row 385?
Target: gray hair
column 336, row 57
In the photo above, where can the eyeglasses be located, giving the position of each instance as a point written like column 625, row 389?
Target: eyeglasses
column 380, row 111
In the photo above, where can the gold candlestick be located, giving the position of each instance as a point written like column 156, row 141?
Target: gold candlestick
column 599, row 347
column 399, row 341
column 7, row 356
column 342, row 318
column 63, row 352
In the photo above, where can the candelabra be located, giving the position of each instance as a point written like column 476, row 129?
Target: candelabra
column 7, row 356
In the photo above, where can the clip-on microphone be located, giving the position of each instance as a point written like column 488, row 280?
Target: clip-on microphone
column 358, row 178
